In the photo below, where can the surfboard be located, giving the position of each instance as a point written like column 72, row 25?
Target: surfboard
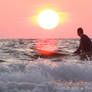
column 51, row 55
column 2, row 61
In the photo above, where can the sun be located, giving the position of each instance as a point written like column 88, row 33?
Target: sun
column 48, row 19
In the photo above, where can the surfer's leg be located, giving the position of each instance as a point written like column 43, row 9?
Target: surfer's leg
column 83, row 56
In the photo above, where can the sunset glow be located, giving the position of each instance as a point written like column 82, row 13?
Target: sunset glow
column 48, row 19
column 22, row 18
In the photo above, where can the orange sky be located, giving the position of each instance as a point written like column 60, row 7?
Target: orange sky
column 14, row 16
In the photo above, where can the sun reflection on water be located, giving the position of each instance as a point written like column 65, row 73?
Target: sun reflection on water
column 46, row 47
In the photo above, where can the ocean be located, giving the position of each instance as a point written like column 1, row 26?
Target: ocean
column 24, row 67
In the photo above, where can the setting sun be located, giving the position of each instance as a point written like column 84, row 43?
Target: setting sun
column 48, row 19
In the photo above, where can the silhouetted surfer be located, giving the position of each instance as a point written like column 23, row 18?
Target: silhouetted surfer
column 85, row 43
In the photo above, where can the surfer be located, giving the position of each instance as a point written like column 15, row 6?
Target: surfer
column 85, row 43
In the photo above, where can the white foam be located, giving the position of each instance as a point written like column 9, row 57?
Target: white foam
column 41, row 76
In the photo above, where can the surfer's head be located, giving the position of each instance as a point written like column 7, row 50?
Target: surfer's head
column 80, row 31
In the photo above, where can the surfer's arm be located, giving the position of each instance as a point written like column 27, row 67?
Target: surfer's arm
column 79, row 48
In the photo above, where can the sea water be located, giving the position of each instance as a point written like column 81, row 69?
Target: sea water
column 20, row 71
